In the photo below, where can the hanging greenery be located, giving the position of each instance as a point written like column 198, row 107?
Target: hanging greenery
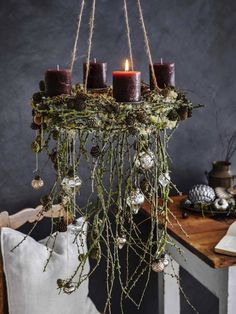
column 124, row 148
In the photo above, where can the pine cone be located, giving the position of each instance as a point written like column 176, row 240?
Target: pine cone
column 37, row 97
column 132, row 130
column 79, row 102
column 43, row 106
column 95, row 151
column 182, row 112
column 142, row 117
column 92, row 123
column 173, row 115
column 130, row 120
column 190, row 112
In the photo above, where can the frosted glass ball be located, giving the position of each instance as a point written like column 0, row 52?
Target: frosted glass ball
column 145, row 160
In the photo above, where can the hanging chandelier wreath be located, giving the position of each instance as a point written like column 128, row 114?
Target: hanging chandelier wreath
column 120, row 134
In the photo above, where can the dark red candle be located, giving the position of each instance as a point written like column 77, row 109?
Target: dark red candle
column 164, row 73
column 58, row 82
column 97, row 74
column 127, row 85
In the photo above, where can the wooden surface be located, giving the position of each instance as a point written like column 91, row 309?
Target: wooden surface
column 203, row 234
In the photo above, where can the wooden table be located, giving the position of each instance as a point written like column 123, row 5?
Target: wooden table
column 215, row 271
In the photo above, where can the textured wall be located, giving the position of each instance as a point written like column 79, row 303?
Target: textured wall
column 199, row 35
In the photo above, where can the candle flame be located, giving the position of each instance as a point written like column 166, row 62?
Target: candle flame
column 126, row 65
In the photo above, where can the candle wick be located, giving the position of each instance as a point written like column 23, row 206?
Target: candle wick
column 95, row 60
column 161, row 61
column 58, row 67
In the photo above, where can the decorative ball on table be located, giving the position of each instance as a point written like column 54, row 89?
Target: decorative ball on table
column 221, row 204
column 201, row 193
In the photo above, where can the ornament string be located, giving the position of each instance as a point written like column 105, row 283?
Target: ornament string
column 73, row 56
column 36, row 158
column 147, row 45
column 91, row 24
column 128, row 34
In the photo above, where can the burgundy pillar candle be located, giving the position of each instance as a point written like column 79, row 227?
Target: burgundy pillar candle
column 57, row 82
column 127, row 85
column 164, row 73
column 97, row 75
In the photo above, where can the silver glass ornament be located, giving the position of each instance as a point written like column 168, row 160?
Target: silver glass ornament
column 145, row 160
column 158, row 266
column 135, row 200
column 37, row 183
column 164, row 179
column 121, row 241
column 201, row 193
column 69, row 183
column 165, row 261
column 69, row 288
column 76, row 227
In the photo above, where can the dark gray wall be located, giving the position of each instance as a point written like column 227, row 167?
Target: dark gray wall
column 199, row 35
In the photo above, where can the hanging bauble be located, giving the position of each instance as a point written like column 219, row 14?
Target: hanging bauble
column 165, row 260
column 135, row 200
column 158, row 266
column 121, row 241
column 221, row 204
column 69, row 288
column 69, row 183
column 37, row 183
column 145, row 160
column 76, row 227
column 201, row 193
column 164, row 179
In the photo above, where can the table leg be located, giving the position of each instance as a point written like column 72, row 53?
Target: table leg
column 168, row 290
column 227, row 298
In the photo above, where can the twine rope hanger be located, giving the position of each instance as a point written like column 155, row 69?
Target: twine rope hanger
column 91, row 31
column 128, row 34
column 73, row 55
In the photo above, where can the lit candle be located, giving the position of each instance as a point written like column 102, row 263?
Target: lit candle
column 58, row 82
column 164, row 73
column 97, row 74
column 127, row 85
